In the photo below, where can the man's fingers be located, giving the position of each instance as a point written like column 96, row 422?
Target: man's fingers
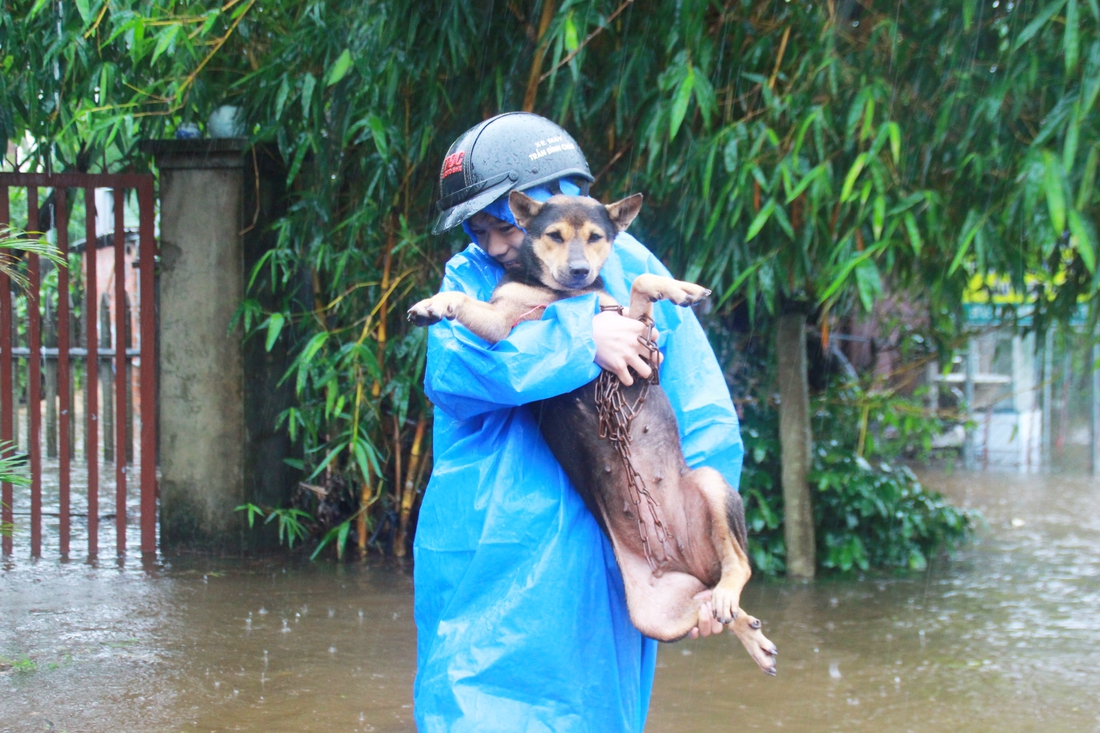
column 640, row 365
column 707, row 624
column 623, row 373
column 705, row 619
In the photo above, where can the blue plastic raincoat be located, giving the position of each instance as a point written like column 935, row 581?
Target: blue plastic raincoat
column 520, row 611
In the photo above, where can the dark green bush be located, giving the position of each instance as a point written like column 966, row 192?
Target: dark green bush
column 869, row 512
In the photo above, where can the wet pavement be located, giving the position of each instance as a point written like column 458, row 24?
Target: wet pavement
column 1005, row 636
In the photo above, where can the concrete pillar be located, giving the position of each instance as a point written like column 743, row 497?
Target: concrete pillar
column 201, row 283
column 219, row 398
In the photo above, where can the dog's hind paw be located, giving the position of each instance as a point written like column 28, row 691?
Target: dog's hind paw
column 759, row 647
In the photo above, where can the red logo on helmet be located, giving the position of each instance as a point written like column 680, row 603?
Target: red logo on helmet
column 453, row 163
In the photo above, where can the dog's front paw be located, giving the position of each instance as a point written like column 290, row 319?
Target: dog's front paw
column 725, row 603
column 686, row 294
column 434, row 309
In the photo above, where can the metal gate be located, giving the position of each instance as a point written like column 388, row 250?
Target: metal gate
column 23, row 355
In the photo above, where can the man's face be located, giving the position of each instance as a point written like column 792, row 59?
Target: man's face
column 499, row 238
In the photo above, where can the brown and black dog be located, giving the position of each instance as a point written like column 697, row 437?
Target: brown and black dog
column 691, row 538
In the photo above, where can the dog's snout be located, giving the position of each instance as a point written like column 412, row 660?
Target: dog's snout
column 579, row 269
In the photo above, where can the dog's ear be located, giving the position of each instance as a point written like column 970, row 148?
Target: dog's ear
column 523, row 207
column 623, row 212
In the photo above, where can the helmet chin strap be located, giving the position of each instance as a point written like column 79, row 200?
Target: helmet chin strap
column 502, row 211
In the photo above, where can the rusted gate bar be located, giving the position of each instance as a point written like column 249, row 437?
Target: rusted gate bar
column 91, row 371
column 64, row 395
column 11, row 356
column 34, row 389
column 7, row 393
column 120, row 369
column 146, row 255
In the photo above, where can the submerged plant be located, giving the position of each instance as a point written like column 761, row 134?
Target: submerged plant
column 870, row 510
column 10, row 473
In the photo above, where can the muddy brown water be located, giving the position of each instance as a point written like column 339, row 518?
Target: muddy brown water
column 1004, row 636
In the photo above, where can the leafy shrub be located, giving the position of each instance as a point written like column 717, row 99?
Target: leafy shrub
column 869, row 512
column 878, row 515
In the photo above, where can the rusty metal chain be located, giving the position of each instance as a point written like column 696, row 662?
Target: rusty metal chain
column 615, row 418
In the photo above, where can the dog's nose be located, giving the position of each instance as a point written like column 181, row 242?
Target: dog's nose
column 578, row 270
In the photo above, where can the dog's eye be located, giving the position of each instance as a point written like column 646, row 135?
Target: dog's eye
column 594, row 237
column 556, row 237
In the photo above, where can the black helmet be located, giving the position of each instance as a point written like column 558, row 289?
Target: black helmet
column 515, row 150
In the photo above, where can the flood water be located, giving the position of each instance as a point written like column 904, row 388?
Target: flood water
column 1005, row 636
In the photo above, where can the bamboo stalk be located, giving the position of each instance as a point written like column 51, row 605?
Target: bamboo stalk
column 548, row 10
column 779, row 56
column 397, row 483
column 408, row 496
column 366, row 496
column 361, row 520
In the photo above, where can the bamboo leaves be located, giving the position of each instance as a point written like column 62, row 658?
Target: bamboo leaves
column 680, row 102
column 850, row 179
column 1084, row 238
column 1070, row 43
column 274, row 327
column 339, row 68
column 1054, row 187
column 760, row 220
column 1038, row 22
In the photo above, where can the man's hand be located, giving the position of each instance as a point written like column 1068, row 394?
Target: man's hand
column 619, row 345
column 707, row 623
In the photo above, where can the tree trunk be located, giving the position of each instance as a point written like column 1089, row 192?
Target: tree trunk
column 795, row 444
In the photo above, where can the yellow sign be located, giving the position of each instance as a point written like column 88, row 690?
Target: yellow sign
column 998, row 290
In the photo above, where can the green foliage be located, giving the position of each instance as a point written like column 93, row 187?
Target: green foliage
column 291, row 522
column 11, row 472
column 23, row 665
column 878, row 516
column 339, row 535
column 805, row 154
column 868, row 512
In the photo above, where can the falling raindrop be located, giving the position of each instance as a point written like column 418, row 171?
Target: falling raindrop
column 263, row 611
column 332, row 650
column 834, row 670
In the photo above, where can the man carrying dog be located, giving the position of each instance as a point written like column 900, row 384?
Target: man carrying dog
column 521, row 615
